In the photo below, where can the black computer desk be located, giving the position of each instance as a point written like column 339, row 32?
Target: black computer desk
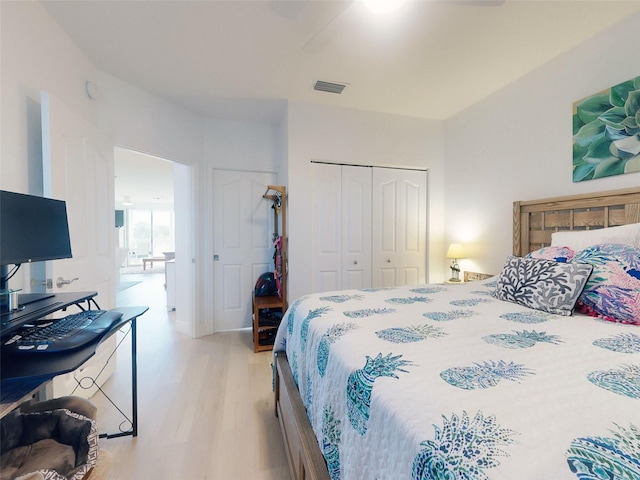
column 24, row 375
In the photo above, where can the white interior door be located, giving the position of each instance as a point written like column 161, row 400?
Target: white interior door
column 326, row 227
column 386, row 228
column 399, row 227
column 78, row 168
column 243, row 229
column 413, row 205
column 356, row 227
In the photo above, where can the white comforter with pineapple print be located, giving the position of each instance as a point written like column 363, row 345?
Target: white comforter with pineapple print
column 447, row 382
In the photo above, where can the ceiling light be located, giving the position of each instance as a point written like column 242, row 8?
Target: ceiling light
column 383, row 6
column 127, row 201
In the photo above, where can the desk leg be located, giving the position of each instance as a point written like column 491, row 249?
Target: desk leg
column 134, row 387
column 134, row 379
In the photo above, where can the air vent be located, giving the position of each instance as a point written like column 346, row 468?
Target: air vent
column 329, row 87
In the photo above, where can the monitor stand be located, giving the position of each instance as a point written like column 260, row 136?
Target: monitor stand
column 23, row 298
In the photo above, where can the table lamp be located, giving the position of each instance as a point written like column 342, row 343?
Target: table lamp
column 455, row 252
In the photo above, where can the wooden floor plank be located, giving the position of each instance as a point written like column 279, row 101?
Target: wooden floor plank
column 205, row 406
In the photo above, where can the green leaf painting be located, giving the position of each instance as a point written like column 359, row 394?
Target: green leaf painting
column 606, row 132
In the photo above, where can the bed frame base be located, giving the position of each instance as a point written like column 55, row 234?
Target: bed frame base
column 303, row 453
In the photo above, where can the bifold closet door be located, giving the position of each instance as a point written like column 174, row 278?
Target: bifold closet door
column 341, row 227
column 399, row 221
column 326, row 215
column 356, row 227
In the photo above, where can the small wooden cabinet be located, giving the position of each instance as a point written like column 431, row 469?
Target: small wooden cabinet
column 268, row 311
column 267, row 314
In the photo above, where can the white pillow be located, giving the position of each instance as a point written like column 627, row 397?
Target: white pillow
column 579, row 240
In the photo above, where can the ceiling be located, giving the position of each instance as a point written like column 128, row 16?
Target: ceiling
column 146, row 179
column 243, row 59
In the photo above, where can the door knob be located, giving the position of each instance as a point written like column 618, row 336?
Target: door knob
column 388, row 260
column 355, row 262
column 61, row 281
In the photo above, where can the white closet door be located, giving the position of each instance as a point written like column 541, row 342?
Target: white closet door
column 386, row 227
column 399, row 227
column 356, row 227
column 326, row 227
column 413, row 204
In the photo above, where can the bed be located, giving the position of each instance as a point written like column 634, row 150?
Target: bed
column 477, row 380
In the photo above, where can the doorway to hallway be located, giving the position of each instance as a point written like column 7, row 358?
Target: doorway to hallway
column 144, row 199
column 145, row 221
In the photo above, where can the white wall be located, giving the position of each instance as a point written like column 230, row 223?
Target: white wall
column 140, row 121
column 360, row 138
column 517, row 144
column 36, row 56
column 143, row 122
column 135, row 119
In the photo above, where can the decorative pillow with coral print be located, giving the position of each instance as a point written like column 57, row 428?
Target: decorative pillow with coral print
column 557, row 254
column 545, row 285
column 613, row 290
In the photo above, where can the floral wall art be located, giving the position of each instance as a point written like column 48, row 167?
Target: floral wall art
column 606, row 132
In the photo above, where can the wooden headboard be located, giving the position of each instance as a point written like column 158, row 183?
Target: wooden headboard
column 534, row 221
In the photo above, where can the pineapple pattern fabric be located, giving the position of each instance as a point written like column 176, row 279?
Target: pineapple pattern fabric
column 434, row 382
column 462, row 448
column 615, row 457
column 360, row 387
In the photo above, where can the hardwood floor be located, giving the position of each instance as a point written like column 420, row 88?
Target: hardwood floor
column 205, row 406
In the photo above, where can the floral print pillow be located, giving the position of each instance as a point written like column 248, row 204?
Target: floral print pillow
column 557, row 254
column 613, row 290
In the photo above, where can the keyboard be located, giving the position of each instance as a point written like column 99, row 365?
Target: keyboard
column 63, row 334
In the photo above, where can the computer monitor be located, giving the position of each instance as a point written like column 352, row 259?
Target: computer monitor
column 32, row 229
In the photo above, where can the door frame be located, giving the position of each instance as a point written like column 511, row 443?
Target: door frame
column 184, row 211
column 184, row 208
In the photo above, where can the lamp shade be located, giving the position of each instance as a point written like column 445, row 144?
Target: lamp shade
column 455, row 251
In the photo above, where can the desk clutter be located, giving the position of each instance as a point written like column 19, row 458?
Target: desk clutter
column 57, row 439
column 54, row 439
